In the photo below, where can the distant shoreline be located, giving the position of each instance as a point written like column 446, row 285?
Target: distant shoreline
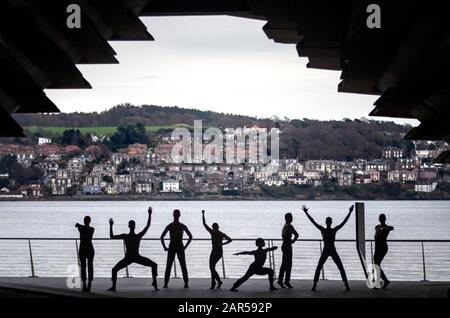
column 92, row 198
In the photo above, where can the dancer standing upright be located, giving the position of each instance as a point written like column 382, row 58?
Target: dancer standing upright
column 86, row 252
column 382, row 231
column 217, row 240
column 286, row 263
column 329, row 249
column 176, row 230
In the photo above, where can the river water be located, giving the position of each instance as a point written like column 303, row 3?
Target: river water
column 413, row 220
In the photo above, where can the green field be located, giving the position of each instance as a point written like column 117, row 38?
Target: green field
column 105, row 131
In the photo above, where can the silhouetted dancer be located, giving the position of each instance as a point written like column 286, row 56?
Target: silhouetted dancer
column 329, row 249
column 257, row 267
column 132, row 242
column 176, row 230
column 86, row 252
column 286, row 263
column 382, row 231
column 217, row 240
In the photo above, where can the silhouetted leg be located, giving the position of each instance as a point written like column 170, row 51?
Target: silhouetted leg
column 287, row 278
column 90, row 261
column 213, row 259
column 83, row 260
column 144, row 261
column 90, row 265
column 170, row 258
column 182, row 259
column 250, row 272
column 377, row 259
column 120, row 265
column 282, row 268
column 322, row 260
column 269, row 272
column 337, row 260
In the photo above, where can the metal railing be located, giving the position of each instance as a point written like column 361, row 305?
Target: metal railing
column 442, row 255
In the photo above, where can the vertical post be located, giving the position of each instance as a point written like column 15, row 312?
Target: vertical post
column 323, row 267
column 127, row 273
column 78, row 257
column 371, row 251
column 360, row 220
column 273, row 262
column 224, row 276
column 371, row 259
column 270, row 258
column 33, row 274
column 423, row 264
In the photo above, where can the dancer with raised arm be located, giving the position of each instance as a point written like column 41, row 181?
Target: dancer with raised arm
column 218, row 240
column 286, row 263
column 257, row 267
column 132, row 242
column 382, row 231
column 329, row 248
column 86, row 252
column 176, row 230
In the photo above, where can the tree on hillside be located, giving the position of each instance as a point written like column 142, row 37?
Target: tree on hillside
column 127, row 135
column 74, row 137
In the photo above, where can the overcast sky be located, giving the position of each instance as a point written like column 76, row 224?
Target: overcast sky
column 216, row 63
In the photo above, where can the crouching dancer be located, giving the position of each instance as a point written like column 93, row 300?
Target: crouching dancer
column 132, row 242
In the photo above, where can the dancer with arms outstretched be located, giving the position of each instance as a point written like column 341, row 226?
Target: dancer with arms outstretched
column 329, row 248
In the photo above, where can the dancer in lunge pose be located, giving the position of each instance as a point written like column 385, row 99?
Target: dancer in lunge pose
column 257, row 267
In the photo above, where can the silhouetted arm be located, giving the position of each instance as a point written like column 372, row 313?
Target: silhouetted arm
column 270, row 249
column 149, row 221
column 204, row 222
column 189, row 234
column 111, row 234
column 390, row 228
column 245, row 253
column 228, row 240
column 312, row 220
column 80, row 227
column 163, row 235
column 295, row 235
column 350, row 210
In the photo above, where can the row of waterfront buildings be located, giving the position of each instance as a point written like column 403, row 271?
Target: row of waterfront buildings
column 140, row 170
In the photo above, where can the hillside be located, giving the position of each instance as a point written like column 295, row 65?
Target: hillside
column 300, row 138
column 149, row 115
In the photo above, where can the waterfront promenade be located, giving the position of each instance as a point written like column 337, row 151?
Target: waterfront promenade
column 199, row 288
